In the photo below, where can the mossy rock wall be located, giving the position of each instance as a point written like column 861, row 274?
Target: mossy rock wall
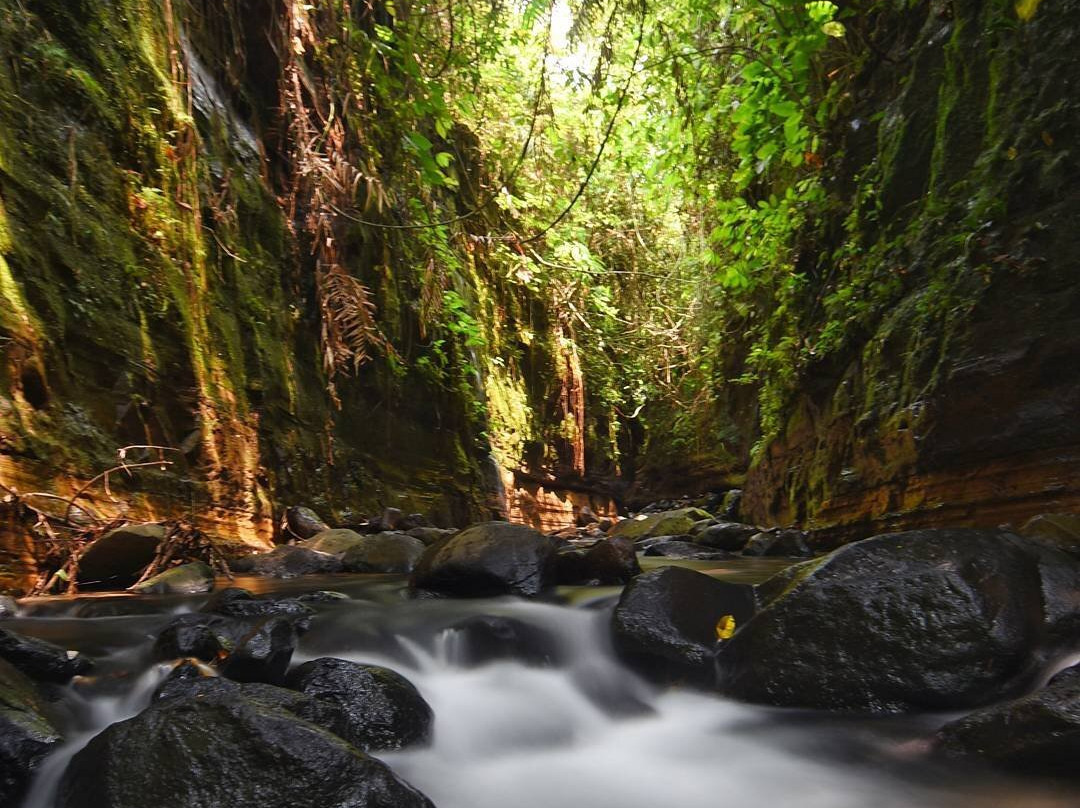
column 955, row 404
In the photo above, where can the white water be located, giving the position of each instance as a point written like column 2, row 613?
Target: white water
column 587, row 734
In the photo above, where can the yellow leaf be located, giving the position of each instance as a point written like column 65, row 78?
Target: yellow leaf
column 834, row 29
column 1012, row 153
column 725, row 627
column 1025, row 9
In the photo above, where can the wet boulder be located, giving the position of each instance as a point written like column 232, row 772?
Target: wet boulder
column 263, row 653
column 221, row 749
column 487, row 638
column 384, row 553
column 665, row 623
column 609, row 562
column 730, row 536
column 117, row 559
column 489, row 559
column 26, row 734
column 241, row 604
column 1037, row 734
column 383, row 708
column 287, row 562
column 303, row 523
column 686, row 550
column 187, row 579
column 780, row 543
column 42, row 660
column 200, row 636
column 335, row 542
column 664, row 523
column 923, row 620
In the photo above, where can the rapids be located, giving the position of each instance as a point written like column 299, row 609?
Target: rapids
column 585, row 732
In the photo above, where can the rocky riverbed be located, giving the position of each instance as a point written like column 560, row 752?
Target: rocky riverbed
column 401, row 665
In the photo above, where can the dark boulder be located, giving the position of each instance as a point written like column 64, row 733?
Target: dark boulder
column 665, row 623
column 201, row 636
column 491, row 638
column 223, row 750
column 924, row 620
column 686, row 550
column 383, row 708
column 645, row 544
column 383, row 553
column 187, row 579
column 263, row 654
column 287, row 562
column 494, row 558
column 243, row 605
column 26, row 734
column 429, row 535
column 608, row 562
column 1038, row 734
column 390, row 519
column 303, row 523
column 117, row 559
column 412, row 521
column 42, row 660
column 782, row 543
column 730, row 536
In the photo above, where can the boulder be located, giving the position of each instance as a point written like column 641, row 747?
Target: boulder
column 608, row 562
column 665, row 623
column 664, row 523
column 491, row 638
column 117, row 559
column 686, row 550
column 493, row 558
column 412, row 521
column 221, row 749
column 384, row 553
column 730, row 536
column 781, row 543
column 287, row 562
column 187, row 579
column 1037, row 734
column 26, row 735
column 201, row 636
column 334, row 542
column 263, row 654
column 390, row 519
column 42, row 660
column 923, row 620
column 429, row 535
column 731, row 504
column 303, row 523
column 383, row 708
column 1058, row 530
column 251, row 607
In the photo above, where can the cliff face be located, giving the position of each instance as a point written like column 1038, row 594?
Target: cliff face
column 955, row 402
column 173, row 275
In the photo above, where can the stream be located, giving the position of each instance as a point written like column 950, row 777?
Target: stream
column 583, row 732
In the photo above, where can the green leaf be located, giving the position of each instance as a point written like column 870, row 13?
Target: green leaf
column 444, row 159
column 834, row 29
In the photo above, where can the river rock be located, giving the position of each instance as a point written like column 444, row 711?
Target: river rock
column 781, row 543
column 731, row 504
column 730, row 536
column 609, row 562
column 487, row 638
column 665, row 621
column 239, row 603
column 42, row 660
column 222, row 750
column 263, row 654
column 303, row 523
column 187, row 579
column 1037, row 734
column 384, row 553
column 924, row 620
column 664, row 523
column 116, row 560
column 429, row 535
column 489, row 559
column 26, row 734
column 335, row 542
column 287, row 562
column 1058, row 530
column 200, row 636
column 412, row 521
column 686, row 550
column 383, row 708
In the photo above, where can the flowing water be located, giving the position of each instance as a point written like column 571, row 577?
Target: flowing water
column 585, row 732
